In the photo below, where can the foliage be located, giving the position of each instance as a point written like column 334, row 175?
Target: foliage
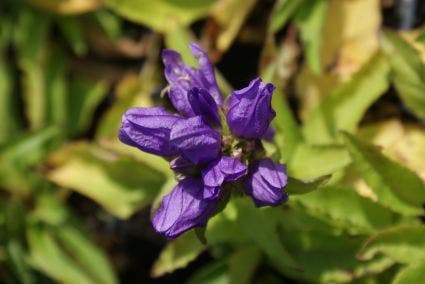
column 69, row 69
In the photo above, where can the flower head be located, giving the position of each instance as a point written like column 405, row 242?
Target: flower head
column 204, row 159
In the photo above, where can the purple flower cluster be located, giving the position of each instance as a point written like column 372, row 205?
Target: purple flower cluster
column 212, row 145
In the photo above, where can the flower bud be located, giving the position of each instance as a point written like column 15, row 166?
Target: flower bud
column 250, row 111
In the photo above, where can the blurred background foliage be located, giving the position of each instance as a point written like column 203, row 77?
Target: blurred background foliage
column 350, row 102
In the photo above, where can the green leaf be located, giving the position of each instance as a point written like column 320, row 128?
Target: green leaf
column 421, row 38
column 282, row 12
column 242, row 264
column 310, row 18
column 403, row 243
column 396, row 187
column 214, row 273
column 344, row 208
column 329, row 258
column 8, row 104
column 256, row 225
column 414, row 273
column 160, row 15
column 344, row 108
column 90, row 257
column 83, row 99
column 119, row 184
column 16, row 256
column 177, row 254
column 47, row 256
column 30, row 39
column 178, row 38
column 296, row 187
column 288, row 134
column 73, row 33
column 408, row 71
column 311, row 162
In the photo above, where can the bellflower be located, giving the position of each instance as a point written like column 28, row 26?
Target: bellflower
column 204, row 155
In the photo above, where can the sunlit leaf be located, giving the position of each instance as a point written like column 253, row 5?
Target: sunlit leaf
column 403, row 243
column 282, row 12
column 310, row 18
column 111, row 184
column 160, row 15
column 343, row 207
column 396, row 187
column 230, row 15
column 344, row 108
column 67, row 6
column 59, row 266
column 409, row 72
column 310, row 162
column 414, row 273
column 177, row 254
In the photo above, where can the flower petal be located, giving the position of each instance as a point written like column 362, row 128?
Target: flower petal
column 207, row 70
column 149, row 130
column 265, row 183
column 183, row 208
column 182, row 78
column 250, row 111
column 203, row 104
column 223, row 169
column 195, row 140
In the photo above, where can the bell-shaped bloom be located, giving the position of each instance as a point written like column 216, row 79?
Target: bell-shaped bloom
column 149, row 130
column 195, row 140
column 183, row 208
column 250, row 111
column 222, row 170
column 265, row 183
column 203, row 104
column 182, row 78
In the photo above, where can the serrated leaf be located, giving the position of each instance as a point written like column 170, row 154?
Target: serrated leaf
column 412, row 274
column 119, row 184
column 311, row 162
column 344, row 108
column 160, row 15
column 396, row 187
column 408, row 70
column 403, row 243
column 344, row 208
column 177, row 254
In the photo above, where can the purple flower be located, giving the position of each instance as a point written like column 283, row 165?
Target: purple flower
column 182, row 78
column 265, row 183
column 222, row 170
column 196, row 141
column 149, row 130
column 183, row 208
column 250, row 111
column 203, row 104
column 203, row 159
